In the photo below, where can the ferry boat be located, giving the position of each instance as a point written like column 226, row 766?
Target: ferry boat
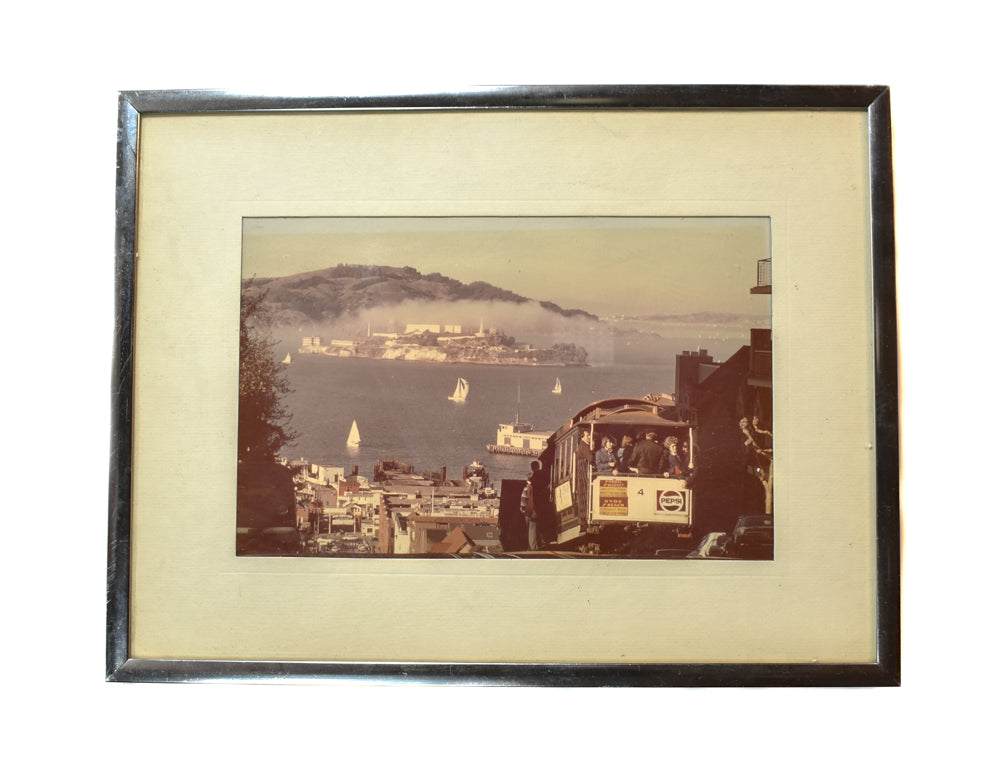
column 519, row 439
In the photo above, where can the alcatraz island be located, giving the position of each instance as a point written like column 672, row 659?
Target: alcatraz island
column 323, row 300
column 447, row 343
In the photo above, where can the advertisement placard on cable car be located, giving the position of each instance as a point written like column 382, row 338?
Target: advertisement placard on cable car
column 612, row 497
column 564, row 497
column 641, row 499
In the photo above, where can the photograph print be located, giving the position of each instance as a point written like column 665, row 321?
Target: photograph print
column 506, row 388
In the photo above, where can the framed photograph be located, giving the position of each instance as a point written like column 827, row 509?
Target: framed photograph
column 515, row 386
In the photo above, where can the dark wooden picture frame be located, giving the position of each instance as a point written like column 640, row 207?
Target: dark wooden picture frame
column 873, row 101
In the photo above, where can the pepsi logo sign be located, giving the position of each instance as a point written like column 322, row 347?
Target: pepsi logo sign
column 670, row 501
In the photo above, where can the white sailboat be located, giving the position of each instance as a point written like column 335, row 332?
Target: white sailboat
column 461, row 391
column 287, row 359
column 558, row 388
column 354, row 438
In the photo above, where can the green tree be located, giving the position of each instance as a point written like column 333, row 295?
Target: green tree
column 263, row 419
column 265, row 492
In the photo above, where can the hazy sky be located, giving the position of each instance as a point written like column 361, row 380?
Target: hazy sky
column 605, row 266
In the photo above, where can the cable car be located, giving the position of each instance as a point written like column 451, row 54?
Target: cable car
column 584, row 501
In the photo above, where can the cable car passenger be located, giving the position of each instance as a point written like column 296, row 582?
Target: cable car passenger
column 606, row 459
column 676, row 464
column 648, row 457
column 625, row 451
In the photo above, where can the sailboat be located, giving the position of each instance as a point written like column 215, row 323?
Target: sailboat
column 558, row 388
column 354, row 438
column 287, row 359
column 461, row 391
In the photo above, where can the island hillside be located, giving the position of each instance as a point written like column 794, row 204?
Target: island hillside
column 324, row 296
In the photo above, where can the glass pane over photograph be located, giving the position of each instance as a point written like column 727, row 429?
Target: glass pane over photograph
column 506, row 388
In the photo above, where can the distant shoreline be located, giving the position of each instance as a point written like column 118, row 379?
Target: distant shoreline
column 425, row 360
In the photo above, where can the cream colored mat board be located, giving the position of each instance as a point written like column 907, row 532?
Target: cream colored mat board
column 200, row 175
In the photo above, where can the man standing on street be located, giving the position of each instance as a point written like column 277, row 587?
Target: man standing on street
column 529, row 512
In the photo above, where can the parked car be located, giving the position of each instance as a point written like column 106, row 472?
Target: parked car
column 548, row 554
column 715, row 544
column 753, row 537
column 673, row 553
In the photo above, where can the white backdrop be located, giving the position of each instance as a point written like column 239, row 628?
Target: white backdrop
column 62, row 72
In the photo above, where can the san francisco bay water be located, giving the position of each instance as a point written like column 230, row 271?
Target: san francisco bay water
column 403, row 411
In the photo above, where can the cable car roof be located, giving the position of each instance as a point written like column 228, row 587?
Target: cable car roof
column 624, row 411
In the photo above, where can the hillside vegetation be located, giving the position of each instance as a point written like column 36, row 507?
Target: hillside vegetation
column 322, row 296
